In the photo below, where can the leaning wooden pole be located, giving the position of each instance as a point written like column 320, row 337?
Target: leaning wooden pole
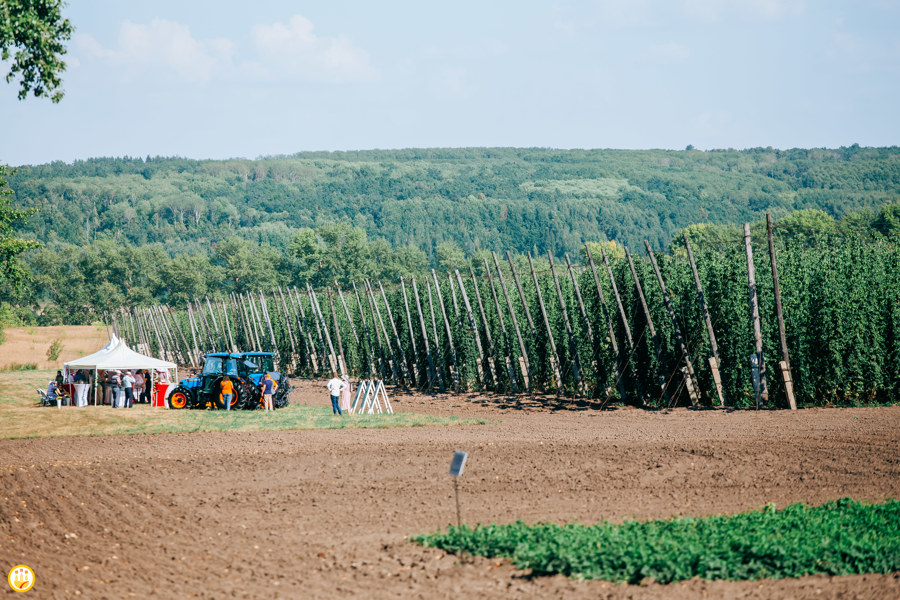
column 664, row 393
column 455, row 364
column 268, row 318
column 159, row 340
column 227, row 326
column 479, row 362
column 573, row 347
column 166, row 316
column 715, row 363
column 327, row 361
column 554, row 355
column 403, row 367
column 786, row 362
column 333, row 356
column 202, row 318
column 487, row 330
column 176, row 327
column 309, row 346
column 620, row 384
column 342, row 359
column 251, row 325
column 509, row 355
column 171, row 342
column 762, row 393
column 515, row 274
column 412, row 336
column 196, row 348
column 347, row 312
column 378, row 326
column 399, row 365
column 615, row 289
column 257, row 319
column 595, row 348
column 370, row 355
column 220, row 338
column 288, row 326
column 438, row 354
column 432, row 373
column 305, row 330
column 690, row 381
column 524, row 365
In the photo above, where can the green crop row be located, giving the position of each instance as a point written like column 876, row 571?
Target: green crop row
column 838, row 538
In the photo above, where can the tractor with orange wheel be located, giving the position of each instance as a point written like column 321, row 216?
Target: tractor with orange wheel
column 204, row 390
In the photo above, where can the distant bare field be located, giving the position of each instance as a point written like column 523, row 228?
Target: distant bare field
column 26, row 345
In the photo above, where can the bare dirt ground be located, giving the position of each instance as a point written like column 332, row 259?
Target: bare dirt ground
column 326, row 514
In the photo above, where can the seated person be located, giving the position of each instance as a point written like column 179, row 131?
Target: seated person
column 52, row 391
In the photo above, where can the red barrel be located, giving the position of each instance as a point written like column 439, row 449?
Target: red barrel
column 159, row 394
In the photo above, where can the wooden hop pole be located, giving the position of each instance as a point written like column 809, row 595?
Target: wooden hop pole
column 715, row 362
column 573, row 347
column 762, row 392
column 554, row 356
column 524, row 366
column 620, row 384
column 786, row 362
column 656, row 343
column 455, row 372
column 474, row 324
column 679, row 338
column 509, row 357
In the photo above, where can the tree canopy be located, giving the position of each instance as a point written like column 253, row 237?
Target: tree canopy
column 32, row 37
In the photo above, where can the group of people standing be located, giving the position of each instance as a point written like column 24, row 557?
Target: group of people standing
column 122, row 390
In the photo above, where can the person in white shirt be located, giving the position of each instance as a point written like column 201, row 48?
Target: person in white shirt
column 335, row 386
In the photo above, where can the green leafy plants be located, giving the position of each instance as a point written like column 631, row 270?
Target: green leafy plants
column 54, row 350
column 837, row 538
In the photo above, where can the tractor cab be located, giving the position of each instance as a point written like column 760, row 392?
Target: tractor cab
column 215, row 366
column 258, row 364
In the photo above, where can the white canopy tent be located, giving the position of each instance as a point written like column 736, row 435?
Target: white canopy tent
column 117, row 355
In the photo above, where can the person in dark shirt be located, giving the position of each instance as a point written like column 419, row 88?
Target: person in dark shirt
column 268, row 385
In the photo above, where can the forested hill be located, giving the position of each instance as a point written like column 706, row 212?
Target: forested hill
column 494, row 198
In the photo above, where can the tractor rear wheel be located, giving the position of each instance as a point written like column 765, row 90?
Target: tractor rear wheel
column 247, row 394
column 179, row 398
column 280, row 399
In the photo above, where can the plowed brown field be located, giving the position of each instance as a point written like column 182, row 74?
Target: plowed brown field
column 326, row 514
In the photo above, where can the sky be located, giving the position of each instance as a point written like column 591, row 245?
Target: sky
column 224, row 79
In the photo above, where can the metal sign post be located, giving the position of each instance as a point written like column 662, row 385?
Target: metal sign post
column 456, row 469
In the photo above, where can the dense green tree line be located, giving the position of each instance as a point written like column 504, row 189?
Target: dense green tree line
column 80, row 284
column 477, row 198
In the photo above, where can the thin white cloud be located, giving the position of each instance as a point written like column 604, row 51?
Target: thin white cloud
column 294, row 49
column 277, row 51
column 162, row 46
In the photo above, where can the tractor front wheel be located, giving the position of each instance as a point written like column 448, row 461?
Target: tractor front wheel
column 179, row 398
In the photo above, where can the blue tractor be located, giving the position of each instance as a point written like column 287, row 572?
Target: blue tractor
column 245, row 369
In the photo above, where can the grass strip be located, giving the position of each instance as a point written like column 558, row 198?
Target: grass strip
column 840, row 537
column 21, row 417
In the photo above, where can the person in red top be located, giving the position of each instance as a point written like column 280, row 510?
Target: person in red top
column 227, row 391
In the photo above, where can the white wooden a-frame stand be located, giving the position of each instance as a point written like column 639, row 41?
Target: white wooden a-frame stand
column 370, row 398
